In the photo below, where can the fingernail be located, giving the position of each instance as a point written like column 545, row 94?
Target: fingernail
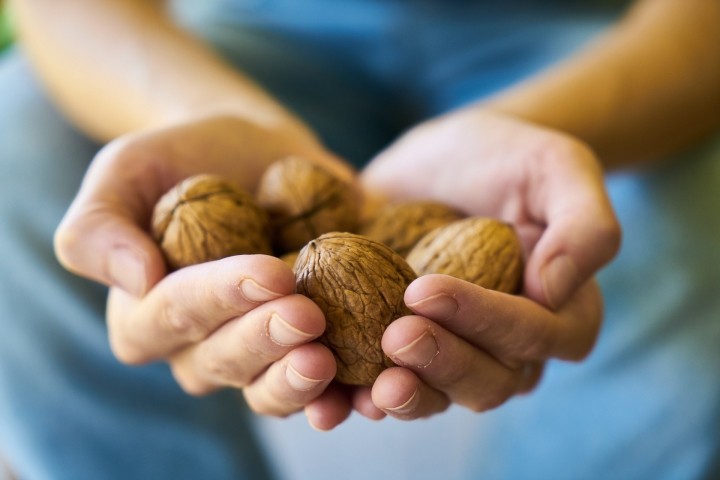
column 300, row 382
column 282, row 333
column 254, row 292
column 418, row 353
column 559, row 277
column 127, row 271
column 406, row 407
column 438, row 307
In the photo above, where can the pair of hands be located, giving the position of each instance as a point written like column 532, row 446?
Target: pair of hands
column 236, row 322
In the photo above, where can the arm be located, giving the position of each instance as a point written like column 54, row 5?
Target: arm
column 118, row 66
column 123, row 72
column 648, row 87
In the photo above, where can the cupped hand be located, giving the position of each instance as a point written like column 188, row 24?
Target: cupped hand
column 476, row 347
column 234, row 322
column 468, row 345
column 548, row 185
column 103, row 236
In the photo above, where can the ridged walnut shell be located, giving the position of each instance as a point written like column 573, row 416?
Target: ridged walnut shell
column 359, row 285
column 206, row 218
column 483, row 251
column 304, row 201
column 401, row 225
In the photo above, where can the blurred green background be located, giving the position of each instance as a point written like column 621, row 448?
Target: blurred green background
column 5, row 31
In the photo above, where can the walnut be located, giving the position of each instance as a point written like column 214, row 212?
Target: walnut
column 483, row 251
column 359, row 285
column 401, row 225
column 304, row 201
column 205, row 218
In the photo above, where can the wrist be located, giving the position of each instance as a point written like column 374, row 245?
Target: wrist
column 232, row 98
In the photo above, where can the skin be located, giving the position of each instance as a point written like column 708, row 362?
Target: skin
column 537, row 164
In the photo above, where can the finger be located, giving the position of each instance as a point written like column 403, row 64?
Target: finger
column 237, row 352
column 532, row 373
column 191, row 303
column 290, row 384
column 512, row 328
column 401, row 394
column 446, row 362
column 362, row 402
column 582, row 233
column 329, row 409
column 101, row 237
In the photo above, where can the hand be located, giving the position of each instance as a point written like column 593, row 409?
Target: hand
column 469, row 345
column 234, row 322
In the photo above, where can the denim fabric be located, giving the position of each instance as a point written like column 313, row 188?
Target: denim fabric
column 68, row 410
column 363, row 71
column 646, row 404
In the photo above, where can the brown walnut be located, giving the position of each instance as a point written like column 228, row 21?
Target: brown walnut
column 206, row 218
column 401, row 225
column 483, row 251
column 359, row 285
column 304, row 201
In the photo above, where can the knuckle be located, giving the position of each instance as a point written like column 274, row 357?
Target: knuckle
column 228, row 370
column 455, row 376
column 126, row 353
column 538, row 348
column 478, row 405
column 531, row 386
column 265, row 407
column 582, row 350
column 494, row 397
column 560, row 149
column 227, row 298
column 570, row 148
column 196, row 389
column 190, row 384
column 184, row 324
column 609, row 236
column 263, row 352
column 538, row 345
column 530, row 376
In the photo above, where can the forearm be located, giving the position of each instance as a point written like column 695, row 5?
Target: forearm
column 116, row 66
column 645, row 89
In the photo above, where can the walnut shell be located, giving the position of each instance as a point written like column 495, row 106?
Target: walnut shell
column 206, row 218
column 304, row 201
column 483, row 251
column 359, row 285
column 401, row 225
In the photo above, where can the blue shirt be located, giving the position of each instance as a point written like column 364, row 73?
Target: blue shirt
column 646, row 404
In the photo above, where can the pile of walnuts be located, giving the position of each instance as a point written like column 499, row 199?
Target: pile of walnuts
column 356, row 272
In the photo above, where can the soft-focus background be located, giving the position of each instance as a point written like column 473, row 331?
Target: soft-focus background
column 5, row 35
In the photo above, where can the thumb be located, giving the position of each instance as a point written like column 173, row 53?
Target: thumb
column 568, row 254
column 581, row 235
column 101, row 236
column 103, row 245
